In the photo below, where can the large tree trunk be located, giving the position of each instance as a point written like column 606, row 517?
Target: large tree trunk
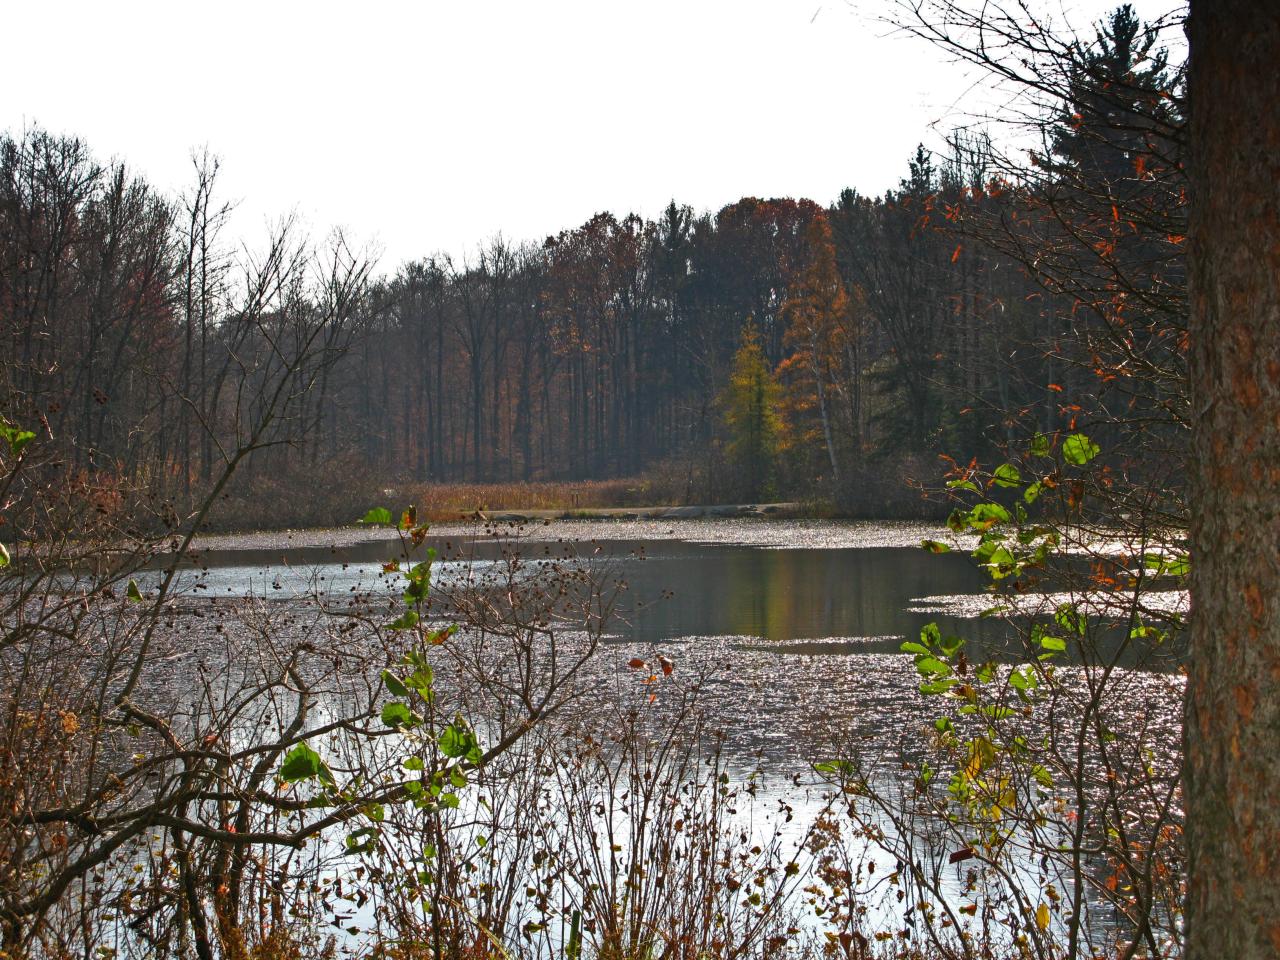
column 1233, row 696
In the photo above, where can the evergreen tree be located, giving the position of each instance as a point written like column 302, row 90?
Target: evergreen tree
column 751, row 415
column 1119, row 105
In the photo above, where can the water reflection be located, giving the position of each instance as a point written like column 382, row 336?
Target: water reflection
column 786, row 598
column 782, row 597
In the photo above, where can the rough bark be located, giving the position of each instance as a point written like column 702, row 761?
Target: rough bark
column 1233, row 698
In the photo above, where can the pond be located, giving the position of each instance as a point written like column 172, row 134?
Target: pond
column 792, row 587
column 793, row 629
column 805, row 587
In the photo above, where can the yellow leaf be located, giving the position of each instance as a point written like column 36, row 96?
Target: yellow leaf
column 1042, row 917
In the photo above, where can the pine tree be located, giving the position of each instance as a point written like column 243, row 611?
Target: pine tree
column 751, row 415
column 1119, row 102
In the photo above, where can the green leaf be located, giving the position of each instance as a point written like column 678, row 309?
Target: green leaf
column 406, row 621
column 398, row 716
column 303, row 763
column 910, row 646
column 996, row 712
column 1007, row 475
column 1023, row 680
column 1002, row 563
column 4, row 555
column 932, row 666
column 416, row 592
column 1166, row 565
column 1079, row 449
column 133, row 592
column 1056, row 644
column 393, row 683
column 938, row 686
column 986, row 547
column 457, row 741
column 422, row 570
column 481, row 840
column 1069, row 618
column 421, row 679
column 963, row 485
column 835, row 766
column 1144, row 631
column 16, row 438
column 987, row 515
column 935, row 546
column 379, row 516
column 951, row 645
column 1040, row 445
column 362, row 840
column 1032, row 493
column 457, row 778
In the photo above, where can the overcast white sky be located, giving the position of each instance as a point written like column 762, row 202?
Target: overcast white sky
column 431, row 125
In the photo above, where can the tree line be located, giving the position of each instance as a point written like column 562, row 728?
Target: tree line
column 946, row 315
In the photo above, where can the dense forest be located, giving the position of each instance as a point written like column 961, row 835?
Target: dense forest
column 974, row 302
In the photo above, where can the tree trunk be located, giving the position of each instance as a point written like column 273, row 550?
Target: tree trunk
column 1233, row 697
column 822, row 408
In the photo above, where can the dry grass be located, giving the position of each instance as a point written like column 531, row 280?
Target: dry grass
column 442, row 500
column 338, row 492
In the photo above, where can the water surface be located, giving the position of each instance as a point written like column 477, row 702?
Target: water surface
column 795, row 586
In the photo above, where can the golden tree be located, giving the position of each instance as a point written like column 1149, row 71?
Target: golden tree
column 751, row 413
